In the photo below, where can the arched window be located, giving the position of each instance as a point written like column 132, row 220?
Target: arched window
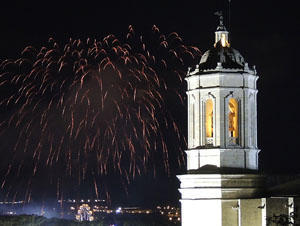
column 193, row 117
column 233, row 118
column 251, row 121
column 209, row 119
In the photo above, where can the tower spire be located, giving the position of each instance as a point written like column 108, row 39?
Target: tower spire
column 221, row 34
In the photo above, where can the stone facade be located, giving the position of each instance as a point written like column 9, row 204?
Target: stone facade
column 238, row 212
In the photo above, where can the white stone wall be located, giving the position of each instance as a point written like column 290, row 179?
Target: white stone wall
column 201, row 212
column 229, row 157
column 234, row 212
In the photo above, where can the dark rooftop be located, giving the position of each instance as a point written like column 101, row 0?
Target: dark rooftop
column 227, row 56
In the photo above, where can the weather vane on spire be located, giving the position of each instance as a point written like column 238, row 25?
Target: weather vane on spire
column 221, row 26
column 220, row 14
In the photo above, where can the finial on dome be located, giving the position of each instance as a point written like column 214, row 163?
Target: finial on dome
column 219, row 66
column 221, row 33
column 221, row 25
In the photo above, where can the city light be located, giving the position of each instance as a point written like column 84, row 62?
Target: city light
column 119, row 210
column 84, row 213
column 81, row 210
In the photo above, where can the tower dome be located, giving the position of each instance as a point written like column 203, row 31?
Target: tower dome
column 227, row 56
column 221, row 56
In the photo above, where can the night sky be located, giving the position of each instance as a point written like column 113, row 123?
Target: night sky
column 267, row 34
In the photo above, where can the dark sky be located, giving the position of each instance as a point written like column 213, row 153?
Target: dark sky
column 267, row 33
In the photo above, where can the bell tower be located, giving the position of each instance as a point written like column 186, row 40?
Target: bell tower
column 222, row 119
column 222, row 155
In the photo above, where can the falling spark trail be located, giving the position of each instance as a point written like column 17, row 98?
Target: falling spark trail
column 98, row 105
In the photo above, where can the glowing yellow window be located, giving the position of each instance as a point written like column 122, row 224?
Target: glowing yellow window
column 209, row 118
column 233, row 117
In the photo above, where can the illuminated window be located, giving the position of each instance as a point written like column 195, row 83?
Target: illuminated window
column 233, row 118
column 223, row 40
column 209, row 119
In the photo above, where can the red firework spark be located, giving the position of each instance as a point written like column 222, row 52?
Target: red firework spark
column 92, row 106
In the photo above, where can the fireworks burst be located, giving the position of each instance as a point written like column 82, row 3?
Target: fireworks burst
column 90, row 108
